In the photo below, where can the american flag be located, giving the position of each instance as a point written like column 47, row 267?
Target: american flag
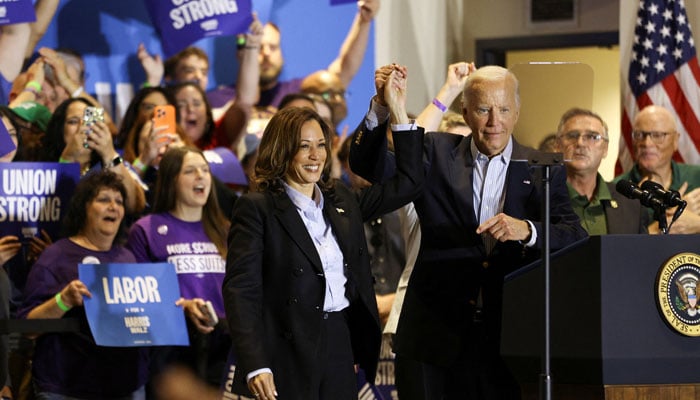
column 663, row 70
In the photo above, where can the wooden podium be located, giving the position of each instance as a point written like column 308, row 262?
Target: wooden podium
column 608, row 338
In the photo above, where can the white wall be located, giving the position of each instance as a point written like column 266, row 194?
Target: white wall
column 429, row 35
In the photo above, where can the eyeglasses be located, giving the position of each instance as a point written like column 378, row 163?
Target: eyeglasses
column 656, row 137
column 331, row 94
column 588, row 137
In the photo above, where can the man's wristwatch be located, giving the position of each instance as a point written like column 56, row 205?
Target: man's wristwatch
column 115, row 161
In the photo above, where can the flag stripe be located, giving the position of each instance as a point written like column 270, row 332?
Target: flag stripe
column 663, row 70
column 686, row 116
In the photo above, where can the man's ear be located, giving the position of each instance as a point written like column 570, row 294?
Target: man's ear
column 605, row 151
column 676, row 137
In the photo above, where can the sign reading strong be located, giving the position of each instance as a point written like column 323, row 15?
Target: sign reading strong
column 677, row 293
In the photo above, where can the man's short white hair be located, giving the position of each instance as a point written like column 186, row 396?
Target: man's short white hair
column 490, row 73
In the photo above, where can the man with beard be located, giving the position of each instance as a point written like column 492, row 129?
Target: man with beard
column 582, row 136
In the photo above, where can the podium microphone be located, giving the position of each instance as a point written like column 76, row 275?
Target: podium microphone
column 670, row 198
column 632, row 191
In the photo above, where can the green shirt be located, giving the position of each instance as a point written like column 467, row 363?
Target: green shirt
column 592, row 213
column 679, row 173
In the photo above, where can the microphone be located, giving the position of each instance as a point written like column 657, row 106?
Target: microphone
column 632, row 191
column 670, row 198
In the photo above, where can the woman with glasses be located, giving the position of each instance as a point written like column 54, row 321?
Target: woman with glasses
column 70, row 139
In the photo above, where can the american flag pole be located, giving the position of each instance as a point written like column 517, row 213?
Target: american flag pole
column 662, row 69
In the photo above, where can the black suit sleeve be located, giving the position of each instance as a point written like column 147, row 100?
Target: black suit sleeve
column 565, row 225
column 369, row 156
column 405, row 184
column 243, row 284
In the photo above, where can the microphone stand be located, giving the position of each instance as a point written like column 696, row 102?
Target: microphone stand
column 660, row 217
column 546, row 161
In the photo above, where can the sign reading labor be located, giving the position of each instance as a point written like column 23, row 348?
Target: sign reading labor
column 133, row 304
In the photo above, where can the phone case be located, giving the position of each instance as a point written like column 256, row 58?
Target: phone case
column 208, row 310
column 93, row 114
column 164, row 116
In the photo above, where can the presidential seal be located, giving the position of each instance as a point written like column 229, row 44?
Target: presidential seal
column 677, row 293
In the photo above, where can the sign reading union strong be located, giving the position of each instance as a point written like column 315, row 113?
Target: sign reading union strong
column 677, row 293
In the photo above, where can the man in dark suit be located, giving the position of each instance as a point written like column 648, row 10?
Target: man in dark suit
column 582, row 136
column 480, row 214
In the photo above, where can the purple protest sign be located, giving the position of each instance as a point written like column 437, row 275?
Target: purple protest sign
column 6, row 143
column 35, row 196
column 225, row 166
column 180, row 23
column 16, row 11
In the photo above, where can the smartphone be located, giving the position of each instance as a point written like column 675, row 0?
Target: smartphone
column 92, row 115
column 164, row 116
column 208, row 310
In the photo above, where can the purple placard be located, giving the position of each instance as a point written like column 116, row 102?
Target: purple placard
column 35, row 196
column 16, row 11
column 384, row 387
column 6, row 143
column 337, row 2
column 225, row 166
column 180, row 23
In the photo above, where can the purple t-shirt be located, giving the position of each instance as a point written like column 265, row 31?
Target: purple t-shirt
column 71, row 363
column 199, row 266
column 271, row 97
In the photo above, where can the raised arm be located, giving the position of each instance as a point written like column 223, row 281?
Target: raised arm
column 74, row 89
column 45, row 10
column 353, row 49
column 152, row 65
column 368, row 150
column 405, row 184
column 35, row 73
column 13, row 43
column 455, row 80
column 395, row 95
column 237, row 116
column 99, row 139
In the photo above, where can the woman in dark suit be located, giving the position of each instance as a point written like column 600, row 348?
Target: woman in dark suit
column 298, row 287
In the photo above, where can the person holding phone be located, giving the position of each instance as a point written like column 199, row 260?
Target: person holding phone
column 188, row 230
column 70, row 138
column 148, row 131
